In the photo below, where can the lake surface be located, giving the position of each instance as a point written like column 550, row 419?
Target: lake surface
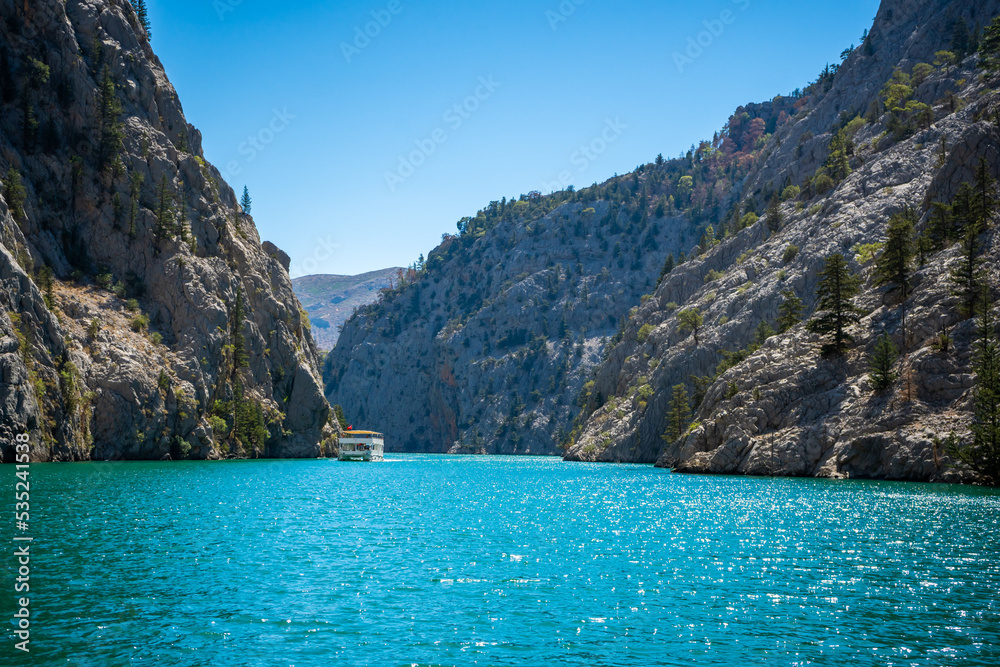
column 437, row 560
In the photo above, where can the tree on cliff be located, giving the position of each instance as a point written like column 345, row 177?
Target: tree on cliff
column 989, row 47
column 837, row 287
column 893, row 266
column 165, row 214
column 983, row 453
column 691, row 320
column 968, row 276
column 143, row 15
column 338, row 412
column 789, row 312
column 883, row 363
column 112, row 130
column 240, row 357
column 245, row 201
column 774, row 217
column 679, row 414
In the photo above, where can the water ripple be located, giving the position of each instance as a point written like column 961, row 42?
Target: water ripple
column 504, row 561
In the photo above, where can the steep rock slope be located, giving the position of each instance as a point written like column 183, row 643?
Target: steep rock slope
column 331, row 299
column 784, row 409
column 141, row 317
column 485, row 348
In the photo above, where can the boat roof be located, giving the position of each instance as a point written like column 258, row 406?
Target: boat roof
column 361, row 433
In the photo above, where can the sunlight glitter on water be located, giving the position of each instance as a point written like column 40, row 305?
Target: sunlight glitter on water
column 507, row 561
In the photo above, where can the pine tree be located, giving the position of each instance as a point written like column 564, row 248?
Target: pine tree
column 962, row 210
column 774, row 217
column 691, row 320
column 837, row 287
column 668, row 266
column 341, row 419
column 245, row 201
column 968, row 276
column 111, row 128
column 984, row 200
column 983, row 453
column 941, row 227
column 883, row 363
column 143, row 15
column 240, row 357
column 989, row 47
column 960, row 38
column 893, row 266
column 135, row 188
column 164, row 210
column 679, row 414
column 789, row 312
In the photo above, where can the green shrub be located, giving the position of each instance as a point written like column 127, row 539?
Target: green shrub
column 132, row 305
column 156, row 338
column 139, row 323
column 218, row 424
column 93, row 328
column 104, row 279
column 713, row 275
column 791, row 192
column 790, row 253
column 822, row 183
column 644, row 332
column 15, row 194
column 866, row 252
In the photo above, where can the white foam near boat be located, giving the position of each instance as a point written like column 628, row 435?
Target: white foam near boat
column 361, row 446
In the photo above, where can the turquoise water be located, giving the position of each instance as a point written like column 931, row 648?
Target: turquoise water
column 434, row 560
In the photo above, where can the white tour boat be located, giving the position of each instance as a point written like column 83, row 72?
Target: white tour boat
column 361, row 446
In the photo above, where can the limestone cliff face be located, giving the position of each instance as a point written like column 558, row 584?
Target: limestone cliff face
column 132, row 285
column 785, row 409
column 488, row 346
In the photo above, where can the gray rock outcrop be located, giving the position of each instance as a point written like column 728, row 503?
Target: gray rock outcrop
column 124, row 258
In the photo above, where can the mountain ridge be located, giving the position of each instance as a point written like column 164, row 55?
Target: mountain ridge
column 784, row 150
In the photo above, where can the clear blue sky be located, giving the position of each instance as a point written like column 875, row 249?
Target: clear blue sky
column 331, row 125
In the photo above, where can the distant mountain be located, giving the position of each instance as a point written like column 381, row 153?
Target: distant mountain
column 330, row 299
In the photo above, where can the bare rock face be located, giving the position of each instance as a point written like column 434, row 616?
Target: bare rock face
column 486, row 349
column 142, row 317
column 786, row 410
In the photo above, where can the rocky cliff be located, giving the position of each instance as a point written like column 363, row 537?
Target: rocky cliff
column 898, row 127
column 330, row 299
column 141, row 316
